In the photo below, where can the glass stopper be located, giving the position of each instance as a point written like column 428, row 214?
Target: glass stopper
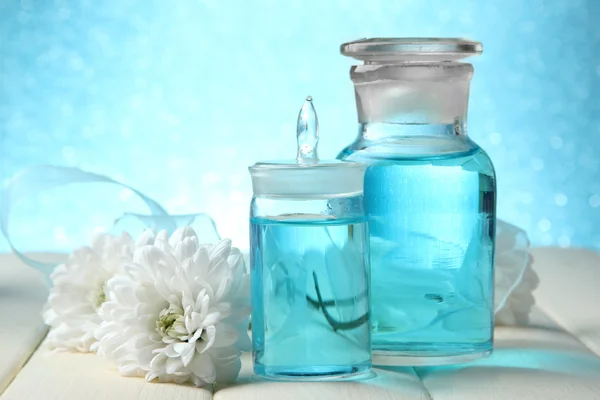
column 307, row 133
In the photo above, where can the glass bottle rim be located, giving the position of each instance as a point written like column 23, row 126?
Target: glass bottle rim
column 326, row 178
column 294, row 164
column 379, row 50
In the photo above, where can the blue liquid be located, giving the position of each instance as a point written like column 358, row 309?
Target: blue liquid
column 432, row 228
column 291, row 335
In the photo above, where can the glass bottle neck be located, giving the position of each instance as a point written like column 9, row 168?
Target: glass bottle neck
column 412, row 99
column 373, row 131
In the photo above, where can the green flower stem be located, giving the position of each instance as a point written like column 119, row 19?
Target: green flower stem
column 336, row 325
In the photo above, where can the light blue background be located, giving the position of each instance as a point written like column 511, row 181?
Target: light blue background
column 178, row 98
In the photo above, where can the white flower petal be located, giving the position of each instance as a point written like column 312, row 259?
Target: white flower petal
column 201, row 261
column 173, row 364
column 219, row 252
column 185, row 249
column 162, row 241
column 202, row 303
column 181, row 235
column 187, row 357
column 146, row 238
column 208, row 339
column 182, row 348
column 196, row 336
column 223, row 288
column 244, row 343
column 236, row 260
column 148, row 257
column 226, row 335
column 150, row 376
column 212, row 318
column 227, row 362
column 170, row 351
column 228, row 371
column 202, row 366
column 224, row 310
column 130, row 369
column 158, row 361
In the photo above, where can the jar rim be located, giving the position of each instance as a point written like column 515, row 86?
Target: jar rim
column 323, row 179
column 295, row 165
column 390, row 50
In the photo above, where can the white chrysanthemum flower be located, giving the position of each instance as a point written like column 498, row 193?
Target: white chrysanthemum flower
column 179, row 312
column 79, row 290
column 515, row 279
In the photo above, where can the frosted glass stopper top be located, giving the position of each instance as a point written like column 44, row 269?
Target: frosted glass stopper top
column 307, row 133
column 306, row 176
column 393, row 50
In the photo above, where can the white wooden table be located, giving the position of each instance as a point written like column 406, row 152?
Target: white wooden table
column 556, row 357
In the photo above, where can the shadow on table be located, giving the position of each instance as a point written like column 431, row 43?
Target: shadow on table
column 557, row 361
column 400, row 383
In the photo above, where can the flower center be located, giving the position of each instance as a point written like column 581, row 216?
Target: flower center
column 167, row 320
column 100, row 298
column 171, row 323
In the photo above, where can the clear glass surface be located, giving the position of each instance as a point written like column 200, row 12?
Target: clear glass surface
column 431, row 221
column 310, row 288
column 430, row 198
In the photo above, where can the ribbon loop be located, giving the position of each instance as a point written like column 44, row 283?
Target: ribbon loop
column 34, row 180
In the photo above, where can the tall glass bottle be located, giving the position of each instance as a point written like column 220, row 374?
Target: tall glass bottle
column 430, row 197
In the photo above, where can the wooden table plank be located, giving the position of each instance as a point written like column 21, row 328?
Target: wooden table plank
column 22, row 296
column 74, row 376
column 569, row 291
column 527, row 364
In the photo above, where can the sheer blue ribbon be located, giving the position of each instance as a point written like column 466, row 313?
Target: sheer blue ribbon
column 34, row 180
column 31, row 181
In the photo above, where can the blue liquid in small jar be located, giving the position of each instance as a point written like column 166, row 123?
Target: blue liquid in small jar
column 431, row 222
column 310, row 296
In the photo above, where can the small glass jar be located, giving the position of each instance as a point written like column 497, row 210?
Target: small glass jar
column 309, row 265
